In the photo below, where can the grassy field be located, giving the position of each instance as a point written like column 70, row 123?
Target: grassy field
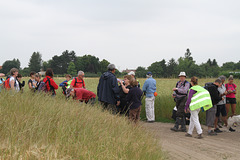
column 164, row 103
column 34, row 126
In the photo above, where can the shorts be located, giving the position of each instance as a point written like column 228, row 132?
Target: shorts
column 221, row 109
column 231, row 100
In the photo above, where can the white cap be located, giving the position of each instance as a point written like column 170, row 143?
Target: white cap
column 131, row 73
column 182, row 74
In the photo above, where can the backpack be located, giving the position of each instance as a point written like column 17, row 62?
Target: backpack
column 207, row 85
column 44, row 87
column 64, row 88
column 77, row 81
column 182, row 85
column 41, row 87
column 6, row 83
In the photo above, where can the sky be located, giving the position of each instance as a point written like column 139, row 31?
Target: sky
column 128, row 33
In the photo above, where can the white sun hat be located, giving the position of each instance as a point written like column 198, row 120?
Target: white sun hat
column 131, row 73
column 182, row 74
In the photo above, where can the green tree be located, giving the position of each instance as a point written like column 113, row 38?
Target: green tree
column 228, row 66
column 9, row 64
column 72, row 69
column 88, row 63
column 103, row 65
column 35, row 62
column 141, row 72
column 156, row 69
column 172, row 68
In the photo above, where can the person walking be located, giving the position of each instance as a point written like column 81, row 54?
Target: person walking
column 108, row 90
column 149, row 88
column 198, row 98
column 51, row 86
column 211, row 113
column 180, row 97
column 231, row 96
column 78, row 82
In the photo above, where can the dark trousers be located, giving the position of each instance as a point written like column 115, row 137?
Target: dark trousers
column 134, row 114
column 180, row 104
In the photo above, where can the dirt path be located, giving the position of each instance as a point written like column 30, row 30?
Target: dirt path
column 225, row 145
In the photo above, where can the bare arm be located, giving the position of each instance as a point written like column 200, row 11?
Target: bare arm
column 12, row 84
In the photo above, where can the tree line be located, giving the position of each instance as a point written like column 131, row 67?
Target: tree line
column 69, row 63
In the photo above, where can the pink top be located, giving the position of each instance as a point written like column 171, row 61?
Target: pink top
column 230, row 87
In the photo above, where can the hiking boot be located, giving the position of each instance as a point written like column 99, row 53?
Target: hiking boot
column 182, row 130
column 188, row 135
column 174, row 129
column 217, row 130
column 212, row 133
column 183, row 124
column 199, row 136
column 231, row 130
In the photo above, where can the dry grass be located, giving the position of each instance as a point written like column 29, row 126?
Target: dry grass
column 42, row 127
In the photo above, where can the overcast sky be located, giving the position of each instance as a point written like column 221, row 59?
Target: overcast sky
column 128, row 33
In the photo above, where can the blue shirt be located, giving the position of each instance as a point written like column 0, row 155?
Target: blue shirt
column 149, row 87
column 1, row 81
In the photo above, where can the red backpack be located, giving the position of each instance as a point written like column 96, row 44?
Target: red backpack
column 6, row 83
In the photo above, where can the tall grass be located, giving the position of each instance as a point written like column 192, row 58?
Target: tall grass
column 34, row 126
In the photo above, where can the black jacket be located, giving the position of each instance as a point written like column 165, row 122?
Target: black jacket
column 214, row 93
column 134, row 97
column 108, row 90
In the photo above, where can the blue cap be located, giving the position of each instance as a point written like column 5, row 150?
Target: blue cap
column 149, row 73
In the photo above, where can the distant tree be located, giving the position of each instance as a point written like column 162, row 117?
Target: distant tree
column 46, row 65
column 164, row 68
column 71, row 69
column 88, row 63
column 172, row 68
column 103, row 65
column 25, row 71
column 228, row 66
column 141, row 72
column 9, row 64
column 156, row 69
column 35, row 62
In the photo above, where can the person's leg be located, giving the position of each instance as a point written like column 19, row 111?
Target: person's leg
column 147, row 108
column 197, row 123
column 181, row 114
column 227, row 108
column 191, row 125
column 153, row 113
column 217, row 116
column 210, row 118
column 233, row 107
column 138, row 114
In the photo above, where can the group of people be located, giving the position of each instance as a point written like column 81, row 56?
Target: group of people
column 118, row 96
column 215, row 98
column 125, row 96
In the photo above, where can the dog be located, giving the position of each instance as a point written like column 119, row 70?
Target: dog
column 232, row 120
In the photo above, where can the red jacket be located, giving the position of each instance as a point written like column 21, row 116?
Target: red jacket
column 83, row 94
column 79, row 84
column 53, row 84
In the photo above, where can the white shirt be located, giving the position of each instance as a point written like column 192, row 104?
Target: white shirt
column 17, row 88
